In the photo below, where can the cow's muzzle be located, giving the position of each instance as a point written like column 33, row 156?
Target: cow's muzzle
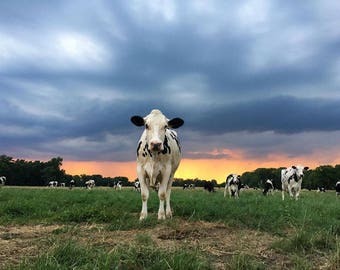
column 156, row 146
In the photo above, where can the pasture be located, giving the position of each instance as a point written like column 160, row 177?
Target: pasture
column 45, row 228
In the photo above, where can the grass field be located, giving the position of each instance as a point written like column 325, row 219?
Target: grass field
column 42, row 228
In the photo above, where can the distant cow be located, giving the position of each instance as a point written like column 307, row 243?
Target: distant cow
column 233, row 185
column 62, row 184
column 321, row 189
column 337, row 188
column 291, row 179
column 188, row 186
column 2, row 180
column 209, row 186
column 89, row 184
column 72, row 184
column 53, row 184
column 268, row 187
column 118, row 185
column 137, row 186
column 158, row 157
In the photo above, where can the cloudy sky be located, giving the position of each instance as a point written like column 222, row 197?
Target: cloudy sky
column 257, row 82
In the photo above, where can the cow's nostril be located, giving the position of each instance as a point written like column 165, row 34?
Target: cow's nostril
column 156, row 146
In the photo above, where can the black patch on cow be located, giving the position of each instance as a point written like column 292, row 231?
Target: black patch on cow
column 166, row 147
column 139, row 144
column 173, row 136
column 146, row 151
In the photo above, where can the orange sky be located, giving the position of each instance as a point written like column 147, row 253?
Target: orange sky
column 206, row 169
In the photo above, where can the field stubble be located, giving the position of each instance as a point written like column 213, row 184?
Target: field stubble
column 254, row 232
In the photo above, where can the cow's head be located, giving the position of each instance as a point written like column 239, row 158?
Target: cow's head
column 299, row 171
column 234, row 179
column 156, row 125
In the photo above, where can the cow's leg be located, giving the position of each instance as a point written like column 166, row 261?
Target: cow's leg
column 162, row 193
column 168, row 211
column 283, row 193
column 144, row 193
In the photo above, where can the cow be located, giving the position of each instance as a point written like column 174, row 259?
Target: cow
column 209, row 186
column 268, row 187
column 233, row 185
column 53, row 184
column 158, row 157
column 321, row 189
column 137, row 186
column 62, row 184
column 72, row 184
column 2, row 180
column 89, row 184
column 118, row 185
column 291, row 179
column 337, row 188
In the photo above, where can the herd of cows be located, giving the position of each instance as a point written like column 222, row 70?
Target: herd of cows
column 159, row 155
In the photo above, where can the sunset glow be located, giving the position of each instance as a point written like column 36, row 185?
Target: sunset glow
column 205, row 169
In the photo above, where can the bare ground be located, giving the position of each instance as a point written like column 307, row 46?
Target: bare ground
column 218, row 241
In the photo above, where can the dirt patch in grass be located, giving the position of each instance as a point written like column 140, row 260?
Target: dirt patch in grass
column 218, row 242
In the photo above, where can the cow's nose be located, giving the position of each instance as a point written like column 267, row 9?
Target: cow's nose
column 156, row 146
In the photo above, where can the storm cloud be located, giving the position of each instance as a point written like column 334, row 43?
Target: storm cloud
column 261, row 76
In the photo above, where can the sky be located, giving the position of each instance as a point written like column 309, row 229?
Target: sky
column 257, row 82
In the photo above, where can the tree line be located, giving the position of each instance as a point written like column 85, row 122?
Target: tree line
column 20, row 172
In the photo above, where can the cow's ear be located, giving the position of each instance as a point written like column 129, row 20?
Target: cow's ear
column 306, row 168
column 294, row 167
column 229, row 176
column 137, row 120
column 175, row 122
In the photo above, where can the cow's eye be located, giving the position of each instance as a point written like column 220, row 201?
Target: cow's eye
column 165, row 127
column 146, row 126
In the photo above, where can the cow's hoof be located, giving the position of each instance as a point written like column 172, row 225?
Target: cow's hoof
column 142, row 216
column 169, row 214
column 161, row 216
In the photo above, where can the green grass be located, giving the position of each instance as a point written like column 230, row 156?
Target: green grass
column 306, row 228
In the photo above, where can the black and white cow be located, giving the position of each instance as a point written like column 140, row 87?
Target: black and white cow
column 268, row 187
column 158, row 157
column 209, row 186
column 2, row 180
column 118, row 185
column 53, row 184
column 72, row 184
column 137, row 186
column 233, row 185
column 89, row 184
column 291, row 179
column 337, row 188
column 321, row 189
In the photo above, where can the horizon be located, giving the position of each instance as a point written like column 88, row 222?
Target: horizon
column 256, row 82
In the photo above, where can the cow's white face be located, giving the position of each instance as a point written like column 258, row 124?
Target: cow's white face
column 299, row 171
column 234, row 179
column 156, row 125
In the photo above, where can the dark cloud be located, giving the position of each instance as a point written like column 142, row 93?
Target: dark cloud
column 72, row 74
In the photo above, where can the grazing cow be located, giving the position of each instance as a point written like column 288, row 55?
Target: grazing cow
column 188, row 186
column 291, row 179
column 209, row 186
column 53, row 184
column 268, row 187
column 158, row 157
column 62, row 184
column 233, row 185
column 337, row 188
column 137, row 186
column 118, row 185
column 2, row 180
column 321, row 189
column 72, row 184
column 89, row 184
